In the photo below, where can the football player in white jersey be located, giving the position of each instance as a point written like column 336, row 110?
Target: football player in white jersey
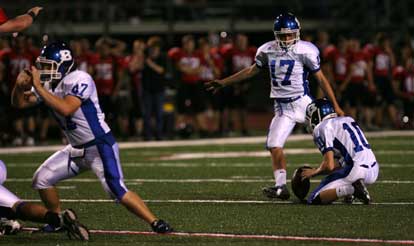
column 72, row 96
column 289, row 61
column 13, row 208
column 347, row 156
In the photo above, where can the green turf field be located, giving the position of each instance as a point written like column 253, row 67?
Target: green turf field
column 223, row 195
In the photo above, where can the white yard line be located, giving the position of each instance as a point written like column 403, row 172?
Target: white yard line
column 238, row 154
column 216, row 180
column 250, row 236
column 212, row 201
column 198, row 142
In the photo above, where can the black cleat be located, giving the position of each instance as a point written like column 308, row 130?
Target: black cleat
column 280, row 192
column 361, row 191
column 349, row 199
column 73, row 227
column 160, row 226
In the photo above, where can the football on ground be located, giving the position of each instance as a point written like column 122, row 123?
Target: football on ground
column 300, row 186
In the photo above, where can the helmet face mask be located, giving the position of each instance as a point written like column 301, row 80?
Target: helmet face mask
column 287, row 31
column 48, row 70
column 54, row 62
column 317, row 111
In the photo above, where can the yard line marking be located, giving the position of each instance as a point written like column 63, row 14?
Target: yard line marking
column 248, row 236
column 236, row 154
column 209, row 164
column 217, row 180
column 197, row 142
column 214, row 201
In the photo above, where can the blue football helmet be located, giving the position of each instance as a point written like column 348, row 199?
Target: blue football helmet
column 285, row 24
column 54, row 62
column 317, row 111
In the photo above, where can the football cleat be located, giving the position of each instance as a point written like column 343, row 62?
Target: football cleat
column 280, row 192
column 73, row 227
column 348, row 199
column 361, row 191
column 9, row 227
column 50, row 229
column 160, row 226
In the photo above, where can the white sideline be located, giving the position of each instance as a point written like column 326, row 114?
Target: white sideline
column 248, row 236
column 213, row 201
column 198, row 142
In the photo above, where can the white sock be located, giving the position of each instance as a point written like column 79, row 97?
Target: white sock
column 345, row 190
column 280, row 177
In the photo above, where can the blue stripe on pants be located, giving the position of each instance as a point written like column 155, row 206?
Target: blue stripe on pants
column 110, row 165
column 338, row 174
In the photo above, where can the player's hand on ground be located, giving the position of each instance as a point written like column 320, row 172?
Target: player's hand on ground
column 35, row 10
column 213, row 86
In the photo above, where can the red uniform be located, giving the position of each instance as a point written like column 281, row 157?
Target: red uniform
column 19, row 62
column 239, row 59
column 359, row 60
column 136, row 76
column 3, row 17
column 207, row 72
column 193, row 60
column 104, row 76
column 339, row 61
column 406, row 78
column 382, row 62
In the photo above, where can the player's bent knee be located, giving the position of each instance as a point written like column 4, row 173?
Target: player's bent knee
column 116, row 188
column 3, row 172
column 43, row 179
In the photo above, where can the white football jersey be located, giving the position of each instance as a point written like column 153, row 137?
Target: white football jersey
column 344, row 136
column 88, row 122
column 289, row 69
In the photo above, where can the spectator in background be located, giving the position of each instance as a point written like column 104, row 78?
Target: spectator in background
column 238, row 57
column 358, row 87
column 18, row 59
column 212, row 67
column 135, row 64
column 191, row 102
column 83, row 56
column 337, row 58
column 107, row 73
column 153, row 79
column 403, row 84
column 384, row 61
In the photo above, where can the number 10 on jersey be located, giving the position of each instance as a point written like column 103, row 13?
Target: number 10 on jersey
column 282, row 63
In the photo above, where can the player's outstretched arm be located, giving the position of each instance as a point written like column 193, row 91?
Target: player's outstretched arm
column 22, row 96
column 20, row 22
column 327, row 89
column 244, row 74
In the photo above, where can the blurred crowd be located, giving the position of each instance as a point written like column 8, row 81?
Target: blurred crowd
column 152, row 92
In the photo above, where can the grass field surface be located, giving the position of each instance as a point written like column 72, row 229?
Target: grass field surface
column 220, row 197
